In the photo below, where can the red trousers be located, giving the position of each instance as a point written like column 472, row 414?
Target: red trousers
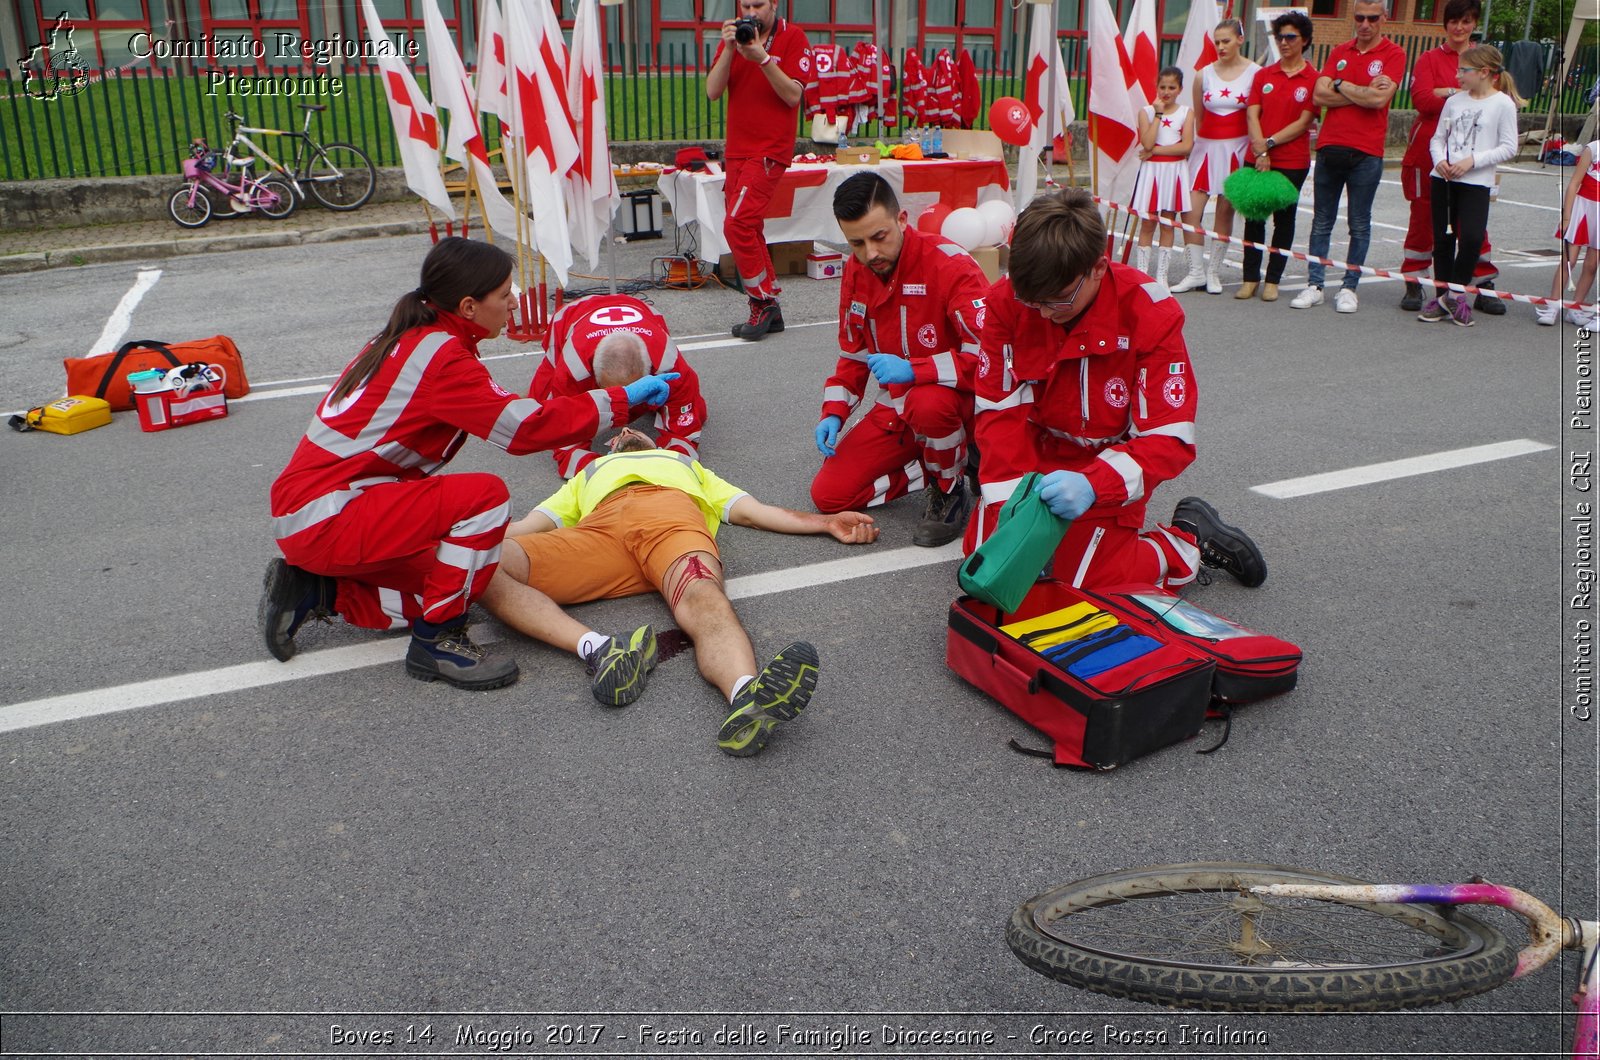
column 1417, row 253
column 886, row 455
column 405, row 550
column 1099, row 552
column 747, row 189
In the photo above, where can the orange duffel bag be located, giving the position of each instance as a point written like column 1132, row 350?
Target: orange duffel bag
column 106, row 375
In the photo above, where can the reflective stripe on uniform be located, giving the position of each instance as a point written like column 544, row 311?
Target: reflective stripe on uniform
column 945, row 363
column 1182, row 430
column 388, row 412
column 510, row 420
column 1128, row 469
column 324, row 507
column 1023, row 395
column 996, row 492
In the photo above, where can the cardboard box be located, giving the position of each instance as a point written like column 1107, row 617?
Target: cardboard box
column 825, row 266
column 859, row 156
column 972, row 143
column 788, row 259
column 994, row 261
column 162, row 410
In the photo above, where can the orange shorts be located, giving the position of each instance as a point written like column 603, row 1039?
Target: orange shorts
column 622, row 548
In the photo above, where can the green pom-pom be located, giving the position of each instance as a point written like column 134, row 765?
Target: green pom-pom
column 1259, row 195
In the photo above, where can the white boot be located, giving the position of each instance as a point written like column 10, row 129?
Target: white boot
column 1196, row 277
column 1141, row 259
column 1163, row 256
column 1213, row 268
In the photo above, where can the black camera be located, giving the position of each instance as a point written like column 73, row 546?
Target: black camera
column 746, row 30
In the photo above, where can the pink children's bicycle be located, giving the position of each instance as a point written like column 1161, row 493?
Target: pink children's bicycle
column 191, row 204
column 1267, row 938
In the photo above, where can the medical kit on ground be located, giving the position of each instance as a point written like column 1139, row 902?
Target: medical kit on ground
column 106, row 375
column 179, row 396
column 68, row 415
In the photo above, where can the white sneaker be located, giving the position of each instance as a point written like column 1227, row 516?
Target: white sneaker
column 1307, row 298
column 1344, row 301
column 1580, row 319
column 1546, row 314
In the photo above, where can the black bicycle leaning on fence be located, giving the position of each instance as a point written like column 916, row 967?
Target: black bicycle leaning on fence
column 338, row 175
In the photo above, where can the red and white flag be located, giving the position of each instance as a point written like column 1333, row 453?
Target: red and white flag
column 541, row 127
column 1197, row 50
column 1113, row 121
column 492, row 70
column 1043, row 66
column 591, row 186
column 416, row 126
column 1143, row 46
column 464, row 140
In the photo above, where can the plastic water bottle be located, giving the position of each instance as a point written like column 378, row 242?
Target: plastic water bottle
column 935, row 140
column 914, row 136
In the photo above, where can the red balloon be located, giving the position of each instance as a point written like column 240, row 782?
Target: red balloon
column 1011, row 120
column 932, row 219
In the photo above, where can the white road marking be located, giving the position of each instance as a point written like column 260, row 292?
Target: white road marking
column 164, row 690
column 1393, row 469
column 116, row 327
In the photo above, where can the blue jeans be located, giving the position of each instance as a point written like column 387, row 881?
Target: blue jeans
column 1339, row 168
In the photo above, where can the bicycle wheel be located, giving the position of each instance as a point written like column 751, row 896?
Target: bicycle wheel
column 186, row 214
column 340, row 177
column 1192, row 936
column 275, row 197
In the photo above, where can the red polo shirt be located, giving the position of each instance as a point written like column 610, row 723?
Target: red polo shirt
column 1283, row 98
column 1363, row 128
column 760, row 123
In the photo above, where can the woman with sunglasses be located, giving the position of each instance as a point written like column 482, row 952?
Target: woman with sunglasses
column 1280, row 116
column 1222, row 91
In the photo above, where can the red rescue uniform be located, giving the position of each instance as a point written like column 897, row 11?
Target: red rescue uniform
column 359, row 500
column 1110, row 395
column 568, row 369
column 930, row 311
column 1436, row 68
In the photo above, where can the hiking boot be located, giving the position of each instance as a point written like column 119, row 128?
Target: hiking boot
column 1488, row 304
column 944, row 515
column 443, row 651
column 1411, row 301
column 1434, row 312
column 289, row 596
column 779, row 692
column 765, row 316
column 621, row 666
column 1222, row 546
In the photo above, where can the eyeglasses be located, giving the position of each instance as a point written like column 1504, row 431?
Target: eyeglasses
column 1367, row 18
column 1065, row 303
column 1467, row 70
column 1287, row 37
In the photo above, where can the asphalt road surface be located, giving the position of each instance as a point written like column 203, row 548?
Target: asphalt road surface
column 356, row 857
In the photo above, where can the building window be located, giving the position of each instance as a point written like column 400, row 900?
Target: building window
column 101, row 29
column 955, row 24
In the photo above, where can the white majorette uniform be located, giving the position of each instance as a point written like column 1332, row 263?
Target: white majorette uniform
column 1163, row 182
column 1583, row 227
column 1222, row 138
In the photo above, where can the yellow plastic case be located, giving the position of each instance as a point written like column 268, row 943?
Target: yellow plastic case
column 71, row 415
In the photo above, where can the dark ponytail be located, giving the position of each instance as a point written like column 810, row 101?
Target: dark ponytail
column 454, row 269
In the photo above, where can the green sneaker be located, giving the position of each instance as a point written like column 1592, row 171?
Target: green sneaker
column 780, row 692
column 621, row 666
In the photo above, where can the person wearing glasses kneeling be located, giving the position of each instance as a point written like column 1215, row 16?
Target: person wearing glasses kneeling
column 1085, row 377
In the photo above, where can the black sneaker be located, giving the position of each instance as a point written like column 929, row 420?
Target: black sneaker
column 289, row 596
column 779, row 693
column 944, row 516
column 1411, row 301
column 621, row 666
column 445, row 652
column 1488, row 304
column 765, row 316
column 1221, row 546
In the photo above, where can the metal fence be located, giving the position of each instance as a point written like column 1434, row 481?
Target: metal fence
column 141, row 121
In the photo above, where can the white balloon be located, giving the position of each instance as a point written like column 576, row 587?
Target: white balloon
column 964, row 226
column 998, row 221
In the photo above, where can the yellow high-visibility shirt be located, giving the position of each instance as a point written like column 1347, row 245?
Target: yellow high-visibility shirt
column 657, row 467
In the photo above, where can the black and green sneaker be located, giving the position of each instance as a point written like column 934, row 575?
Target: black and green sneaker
column 621, row 666
column 779, row 692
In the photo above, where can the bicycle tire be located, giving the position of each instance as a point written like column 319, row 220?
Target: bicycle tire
column 1442, row 955
column 287, row 199
column 188, row 216
column 340, row 176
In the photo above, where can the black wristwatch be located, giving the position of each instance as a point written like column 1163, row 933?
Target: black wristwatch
column 1271, row 143
column 1338, row 85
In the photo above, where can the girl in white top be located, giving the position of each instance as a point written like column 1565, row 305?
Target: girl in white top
column 1222, row 142
column 1166, row 134
column 1477, row 131
column 1580, row 227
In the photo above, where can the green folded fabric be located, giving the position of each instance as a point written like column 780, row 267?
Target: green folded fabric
column 1026, row 535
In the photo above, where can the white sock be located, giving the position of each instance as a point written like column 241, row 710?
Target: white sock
column 589, row 642
column 738, row 686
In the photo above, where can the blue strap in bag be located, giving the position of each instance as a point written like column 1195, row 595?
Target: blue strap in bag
column 1099, row 652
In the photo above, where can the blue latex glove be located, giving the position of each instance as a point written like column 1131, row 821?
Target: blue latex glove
column 890, row 369
column 650, row 389
column 828, row 434
column 1066, row 493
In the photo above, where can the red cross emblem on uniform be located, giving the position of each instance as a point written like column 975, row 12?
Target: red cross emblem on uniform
column 1116, row 393
column 616, row 316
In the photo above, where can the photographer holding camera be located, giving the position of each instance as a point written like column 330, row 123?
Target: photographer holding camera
column 763, row 64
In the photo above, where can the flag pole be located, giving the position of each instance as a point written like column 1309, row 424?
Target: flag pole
column 1052, row 107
